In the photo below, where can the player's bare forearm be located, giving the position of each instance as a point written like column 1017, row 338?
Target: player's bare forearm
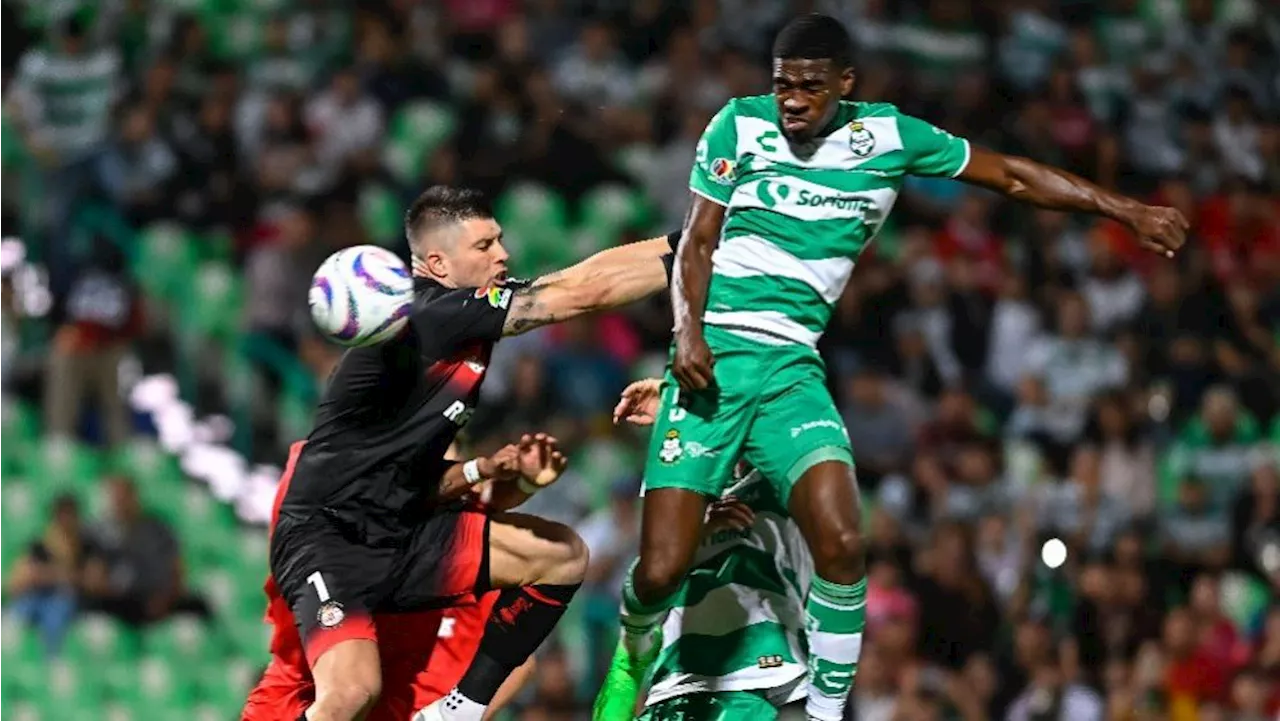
column 505, row 496
column 455, row 483
column 609, row 279
column 1043, row 185
column 692, row 276
column 1162, row 230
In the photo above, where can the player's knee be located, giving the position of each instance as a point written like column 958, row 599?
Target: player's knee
column 838, row 556
column 567, row 560
column 349, row 698
column 657, row 576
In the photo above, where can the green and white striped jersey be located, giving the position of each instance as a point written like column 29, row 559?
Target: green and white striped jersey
column 738, row 621
column 798, row 216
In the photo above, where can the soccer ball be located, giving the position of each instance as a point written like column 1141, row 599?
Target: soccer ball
column 361, row 296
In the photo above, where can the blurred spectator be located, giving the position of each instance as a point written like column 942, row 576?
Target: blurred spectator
column 592, row 72
column 1080, row 509
column 1220, row 446
column 1051, row 697
column 612, row 535
column 344, row 121
column 103, row 314
column 587, row 378
column 951, row 580
column 1255, row 518
column 47, row 581
column 140, row 578
column 1072, row 366
column 277, row 276
column 1127, row 463
column 1194, row 534
column 65, row 92
column 876, row 418
column 140, row 166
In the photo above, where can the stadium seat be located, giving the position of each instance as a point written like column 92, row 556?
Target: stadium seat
column 62, row 464
column 535, row 219
column 179, row 640
column 20, row 428
column 98, row 639
column 612, row 208
column 381, row 214
column 413, row 134
column 165, row 261
column 210, row 306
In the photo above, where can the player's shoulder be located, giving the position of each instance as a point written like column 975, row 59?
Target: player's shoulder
column 751, row 106
column 863, row 110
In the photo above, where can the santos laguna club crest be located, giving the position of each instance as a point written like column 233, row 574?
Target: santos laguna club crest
column 861, row 141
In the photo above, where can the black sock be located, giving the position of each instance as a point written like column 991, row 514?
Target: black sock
column 521, row 620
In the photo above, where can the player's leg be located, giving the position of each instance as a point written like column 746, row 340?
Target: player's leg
column 696, row 441
column 718, row 706
column 539, row 566
column 328, row 584
column 798, row 441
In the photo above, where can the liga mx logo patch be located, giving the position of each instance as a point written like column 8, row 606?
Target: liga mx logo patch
column 722, row 170
column 330, row 614
column 497, row 297
column 861, row 141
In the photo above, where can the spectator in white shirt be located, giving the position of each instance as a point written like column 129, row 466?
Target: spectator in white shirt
column 344, row 121
column 593, row 72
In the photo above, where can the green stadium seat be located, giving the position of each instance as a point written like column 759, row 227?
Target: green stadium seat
column 166, row 260
column 224, row 686
column 22, row 518
column 413, row 135
column 98, row 639
column 612, row 208
column 22, row 710
column 21, row 427
column 234, row 36
column 535, row 219
column 381, row 214
column 165, row 680
column 64, row 465
column 147, row 463
column 181, row 639
column 210, row 307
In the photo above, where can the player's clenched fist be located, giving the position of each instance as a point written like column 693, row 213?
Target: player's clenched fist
column 1160, row 230
column 693, row 361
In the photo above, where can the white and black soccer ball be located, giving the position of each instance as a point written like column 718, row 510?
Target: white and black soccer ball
column 361, row 296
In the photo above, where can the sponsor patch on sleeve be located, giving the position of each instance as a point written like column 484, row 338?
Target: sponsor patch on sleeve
column 497, row 297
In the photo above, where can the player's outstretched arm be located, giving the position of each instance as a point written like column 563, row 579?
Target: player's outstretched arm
column 689, row 283
column 1162, row 230
column 608, row 279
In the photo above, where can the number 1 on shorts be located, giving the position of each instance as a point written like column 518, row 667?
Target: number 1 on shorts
column 322, row 591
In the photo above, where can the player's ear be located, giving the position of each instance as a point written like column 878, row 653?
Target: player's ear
column 436, row 263
column 847, row 80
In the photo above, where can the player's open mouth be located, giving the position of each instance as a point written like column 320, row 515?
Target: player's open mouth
column 794, row 124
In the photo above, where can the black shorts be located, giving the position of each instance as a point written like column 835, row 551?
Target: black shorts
column 334, row 584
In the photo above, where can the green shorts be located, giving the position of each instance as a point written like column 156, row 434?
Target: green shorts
column 769, row 405
column 717, row 706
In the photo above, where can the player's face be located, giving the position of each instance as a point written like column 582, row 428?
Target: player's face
column 476, row 257
column 808, row 94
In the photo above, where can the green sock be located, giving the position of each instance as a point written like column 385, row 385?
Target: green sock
column 834, row 618
column 640, row 621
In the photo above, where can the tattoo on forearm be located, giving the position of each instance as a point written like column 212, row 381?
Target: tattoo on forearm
column 528, row 311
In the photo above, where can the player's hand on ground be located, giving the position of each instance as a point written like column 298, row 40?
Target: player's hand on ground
column 639, row 403
column 1159, row 229
column 540, row 460
column 728, row 514
column 693, row 361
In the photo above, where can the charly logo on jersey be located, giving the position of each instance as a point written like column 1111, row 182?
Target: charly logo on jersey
column 497, row 297
column 861, row 141
column 671, row 449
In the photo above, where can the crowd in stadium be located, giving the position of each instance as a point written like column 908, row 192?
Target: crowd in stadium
column 1007, row 376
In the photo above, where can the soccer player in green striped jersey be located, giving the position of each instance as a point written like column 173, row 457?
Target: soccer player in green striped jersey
column 787, row 190
column 734, row 645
